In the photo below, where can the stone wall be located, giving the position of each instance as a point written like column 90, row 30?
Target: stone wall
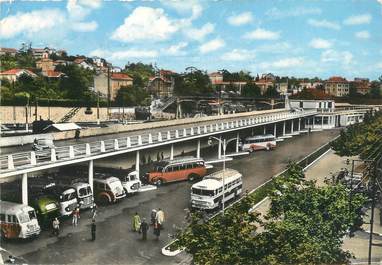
column 9, row 114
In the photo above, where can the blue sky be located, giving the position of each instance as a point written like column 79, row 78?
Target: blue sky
column 300, row 38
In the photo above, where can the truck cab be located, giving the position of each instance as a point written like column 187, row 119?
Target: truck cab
column 130, row 182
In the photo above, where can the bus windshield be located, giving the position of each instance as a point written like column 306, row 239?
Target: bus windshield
column 69, row 196
column 85, row 191
column 203, row 192
column 26, row 217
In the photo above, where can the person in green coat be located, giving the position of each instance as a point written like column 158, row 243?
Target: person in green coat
column 136, row 222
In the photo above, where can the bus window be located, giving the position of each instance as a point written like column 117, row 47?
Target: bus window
column 12, row 219
column 2, row 217
column 82, row 191
column 107, row 187
column 23, row 218
column 189, row 166
column 32, row 215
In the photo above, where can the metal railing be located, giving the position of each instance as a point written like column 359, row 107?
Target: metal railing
column 20, row 161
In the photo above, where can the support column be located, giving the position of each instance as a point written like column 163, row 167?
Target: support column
column 91, row 174
column 299, row 124
column 314, row 121
column 24, row 189
column 237, row 142
column 284, row 128
column 137, row 161
column 322, row 122
column 172, row 152
column 198, row 149
column 220, row 148
column 275, row 129
column 265, row 129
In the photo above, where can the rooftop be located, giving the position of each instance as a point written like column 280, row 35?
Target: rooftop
column 121, row 76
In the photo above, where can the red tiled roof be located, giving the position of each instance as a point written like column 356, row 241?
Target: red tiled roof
column 120, row 76
column 215, row 74
column 79, row 60
column 166, row 72
column 16, row 71
column 337, row 79
column 10, row 50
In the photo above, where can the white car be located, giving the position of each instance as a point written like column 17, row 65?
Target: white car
column 42, row 144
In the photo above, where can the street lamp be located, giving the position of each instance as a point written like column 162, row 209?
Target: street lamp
column 224, row 144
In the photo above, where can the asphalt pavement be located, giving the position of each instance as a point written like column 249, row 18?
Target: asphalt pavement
column 117, row 244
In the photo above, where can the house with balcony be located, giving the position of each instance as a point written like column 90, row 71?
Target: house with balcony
column 13, row 74
column 361, row 85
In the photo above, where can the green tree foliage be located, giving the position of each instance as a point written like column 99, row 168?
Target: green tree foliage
column 251, row 90
column 192, row 83
column 361, row 138
column 271, row 92
column 140, row 72
column 305, row 225
column 375, row 89
column 242, row 76
column 131, row 96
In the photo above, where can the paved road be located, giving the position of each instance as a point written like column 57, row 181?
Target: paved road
column 118, row 245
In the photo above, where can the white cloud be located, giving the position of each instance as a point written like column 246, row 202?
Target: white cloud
column 319, row 43
column 358, row 19
column 344, row 57
column 324, row 24
column 84, row 26
column 362, row 34
column 184, row 7
column 240, row 19
column 279, row 47
column 238, row 55
column 125, row 54
column 199, row 34
column 177, row 49
column 295, row 12
column 145, row 23
column 30, row 22
column 379, row 65
column 380, row 1
column 212, row 45
column 262, row 34
column 283, row 63
column 79, row 9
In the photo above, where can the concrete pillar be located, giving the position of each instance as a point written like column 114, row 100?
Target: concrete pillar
column 87, row 150
column 159, row 137
column 198, row 149
column 275, row 129
column 10, row 162
column 102, row 147
column 199, row 131
column 192, row 131
column 150, row 138
column 314, row 121
column 71, row 151
column 139, row 139
column 322, row 122
column 172, row 152
column 265, row 129
column 33, row 158
column 237, row 142
column 211, row 127
column 137, row 161
column 283, row 128
column 168, row 135
column 24, row 189
column 299, row 124
column 128, row 141
column 220, row 148
column 116, row 145
column 91, row 173
column 205, row 129
column 176, row 133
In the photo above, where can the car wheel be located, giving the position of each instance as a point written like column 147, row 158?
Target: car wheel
column 159, row 182
column 192, row 177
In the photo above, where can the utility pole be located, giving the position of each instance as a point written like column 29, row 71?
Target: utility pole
column 108, row 91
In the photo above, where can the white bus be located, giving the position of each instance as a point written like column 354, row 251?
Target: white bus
column 208, row 193
column 259, row 142
column 18, row 221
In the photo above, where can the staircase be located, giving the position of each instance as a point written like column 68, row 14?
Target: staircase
column 163, row 104
column 69, row 115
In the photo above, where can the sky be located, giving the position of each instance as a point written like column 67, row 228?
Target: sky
column 302, row 38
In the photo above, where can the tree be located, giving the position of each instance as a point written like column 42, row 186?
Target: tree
column 251, row 90
column 305, row 225
column 131, row 96
column 271, row 92
column 375, row 89
column 192, row 83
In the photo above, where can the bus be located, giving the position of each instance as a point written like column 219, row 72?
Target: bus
column 259, row 142
column 208, row 193
column 66, row 196
column 18, row 221
column 83, row 190
column 108, row 189
column 182, row 168
column 46, row 206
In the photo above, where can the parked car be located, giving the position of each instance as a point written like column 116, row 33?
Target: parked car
column 130, row 182
column 42, row 144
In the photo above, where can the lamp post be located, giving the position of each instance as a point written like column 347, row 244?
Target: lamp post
column 224, row 144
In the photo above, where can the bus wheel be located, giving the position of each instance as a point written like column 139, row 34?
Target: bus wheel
column 159, row 182
column 104, row 200
column 192, row 177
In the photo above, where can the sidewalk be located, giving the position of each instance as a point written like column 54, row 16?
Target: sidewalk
column 358, row 245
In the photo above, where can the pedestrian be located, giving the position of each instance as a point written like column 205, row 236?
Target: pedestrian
column 136, row 222
column 94, row 211
column 77, row 134
column 56, row 227
column 156, row 230
column 93, row 228
column 153, row 216
column 160, row 218
column 144, row 228
column 76, row 216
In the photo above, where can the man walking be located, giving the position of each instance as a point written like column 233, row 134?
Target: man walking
column 76, row 216
column 144, row 228
column 160, row 218
column 93, row 230
column 56, row 227
column 136, row 222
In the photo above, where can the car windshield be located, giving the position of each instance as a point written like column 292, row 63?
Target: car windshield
column 84, row 191
column 203, row 192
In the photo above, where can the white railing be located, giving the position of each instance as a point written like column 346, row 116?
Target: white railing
column 17, row 161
